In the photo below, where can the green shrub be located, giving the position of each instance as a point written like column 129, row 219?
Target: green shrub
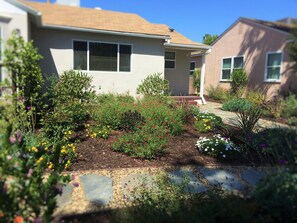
column 146, row 142
column 248, row 119
column 153, row 85
column 218, row 93
column 160, row 114
column 131, row 120
column 110, row 113
column 239, row 81
column 206, row 121
column 281, row 143
column 257, row 97
column 25, row 191
column 98, row 131
column 292, row 121
column 290, row 106
column 237, row 104
column 196, row 79
column 72, row 95
column 277, row 195
column 106, row 98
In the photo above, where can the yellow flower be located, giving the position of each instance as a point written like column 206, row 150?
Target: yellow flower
column 39, row 160
column 63, row 151
column 67, row 164
column 46, row 148
column 69, row 132
column 51, row 165
column 34, row 149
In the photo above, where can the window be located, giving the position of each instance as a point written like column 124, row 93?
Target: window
column 273, row 66
column 170, row 60
column 80, row 55
column 192, row 67
column 97, row 56
column 1, row 45
column 230, row 64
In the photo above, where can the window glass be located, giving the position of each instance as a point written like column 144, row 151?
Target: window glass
column 170, row 55
column 125, row 58
column 192, row 67
column 227, row 63
column 170, row 60
column 80, row 55
column 226, row 74
column 273, row 66
column 238, row 63
column 103, row 56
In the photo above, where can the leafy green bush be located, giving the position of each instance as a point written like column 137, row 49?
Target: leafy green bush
column 277, row 196
column 26, row 194
column 290, row 106
column 206, row 121
column 153, row 85
column 196, row 79
column 281, row 143
column 98, row 131
column 257, row 97
column 218, row 93
column 131, row 120
column 146, row 142
column 218, row 147
column 160, row 114
column 248, row 119
column 72, row 95
column 237, row 104
column 292, row 121
column 239, row 81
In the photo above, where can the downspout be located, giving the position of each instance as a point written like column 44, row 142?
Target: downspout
column 202, row 78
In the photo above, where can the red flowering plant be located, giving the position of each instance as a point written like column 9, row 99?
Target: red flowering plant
column 30, row 179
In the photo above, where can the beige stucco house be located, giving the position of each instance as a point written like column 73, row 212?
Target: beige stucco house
column 261, row 48
column 117, row 49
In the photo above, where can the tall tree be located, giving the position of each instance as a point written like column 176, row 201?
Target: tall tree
column 208, row 39
column 293, row 44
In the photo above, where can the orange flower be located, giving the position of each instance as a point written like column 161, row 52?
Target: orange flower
column 1, row 214
column 18, row 219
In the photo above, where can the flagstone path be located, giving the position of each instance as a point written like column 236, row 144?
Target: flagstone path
column 103, row 189
column 231, row 118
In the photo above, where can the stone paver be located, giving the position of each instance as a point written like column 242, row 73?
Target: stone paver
column 194, row 186
column 133, row 181
column 66, row 197
column 252, row 175
column 96, row 188
column 226, row 179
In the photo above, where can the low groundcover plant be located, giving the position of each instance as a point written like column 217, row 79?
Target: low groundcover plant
column 218, row 147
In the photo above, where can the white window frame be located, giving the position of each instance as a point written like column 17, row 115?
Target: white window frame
column 88, row 56
column 170, row 60
column 280, row 66
column 232, row 66
column 1, row 44
column 194, row 67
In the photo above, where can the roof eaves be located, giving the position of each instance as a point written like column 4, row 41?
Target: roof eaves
column 144, row 35
column 187, row 46
column 24, row 7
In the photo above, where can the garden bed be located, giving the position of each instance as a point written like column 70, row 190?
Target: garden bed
column 180, row 150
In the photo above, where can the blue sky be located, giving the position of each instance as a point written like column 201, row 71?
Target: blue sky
column 194, row 18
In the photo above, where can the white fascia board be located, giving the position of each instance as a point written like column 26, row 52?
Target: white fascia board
column 105, row 32
column 24, row 7
column 186, row 46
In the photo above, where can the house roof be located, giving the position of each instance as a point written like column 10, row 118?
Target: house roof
column 56, row 15
column 281, row 25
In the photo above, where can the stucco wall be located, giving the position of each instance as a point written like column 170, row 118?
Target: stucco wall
column 12, row 18
column 252, row 42
column 179, row 76
column 56, row 48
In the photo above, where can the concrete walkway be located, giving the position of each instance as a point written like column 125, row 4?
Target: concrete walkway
column 92, row 191
column 231, row 118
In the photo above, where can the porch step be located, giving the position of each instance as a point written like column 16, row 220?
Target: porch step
column 190, row 100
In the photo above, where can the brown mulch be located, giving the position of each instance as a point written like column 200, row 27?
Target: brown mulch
column 94, row 154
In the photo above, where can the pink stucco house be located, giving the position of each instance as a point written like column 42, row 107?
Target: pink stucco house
column 261, row 48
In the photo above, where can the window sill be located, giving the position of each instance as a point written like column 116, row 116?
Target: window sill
column 272, row 81
column 225, row 81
